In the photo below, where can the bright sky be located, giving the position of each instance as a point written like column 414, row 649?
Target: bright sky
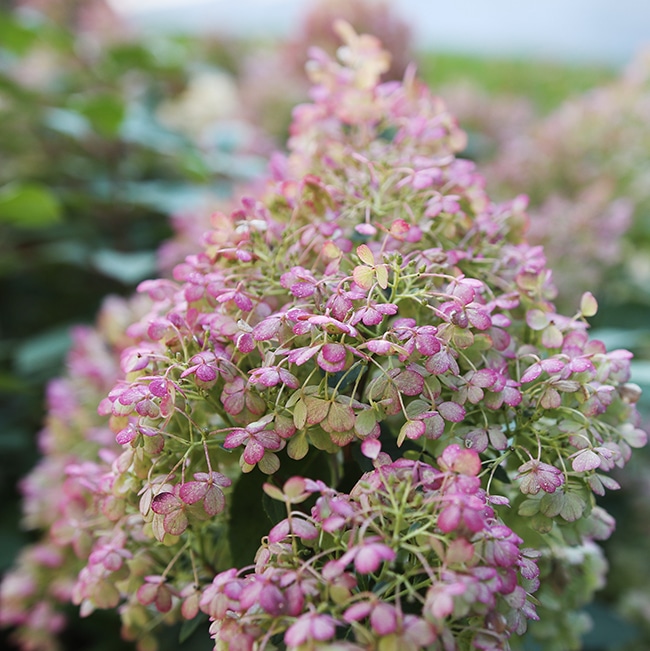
column 135, row 5
column 597, row 30
column 129, row 6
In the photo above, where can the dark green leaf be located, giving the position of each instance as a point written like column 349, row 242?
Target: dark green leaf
column 128, row 268
column 71, row 123
column 129, row 56
column 610, row 630
column 169, row 197
column 189, row 626
column 104, row 111
column 16, row 36
column 42, row 351
column 274, row 510
column 28, row 205
column 248, row 520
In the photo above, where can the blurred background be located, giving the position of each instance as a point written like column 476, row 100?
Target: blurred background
column 125, row 123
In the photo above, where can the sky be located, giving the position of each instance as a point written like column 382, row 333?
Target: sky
column 592, row 30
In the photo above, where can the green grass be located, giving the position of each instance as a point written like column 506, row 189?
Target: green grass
column 545, row 83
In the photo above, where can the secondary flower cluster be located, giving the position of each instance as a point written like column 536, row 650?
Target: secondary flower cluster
column 412, row 555
column 584, row 168
column 370, row 304
column 59, row 493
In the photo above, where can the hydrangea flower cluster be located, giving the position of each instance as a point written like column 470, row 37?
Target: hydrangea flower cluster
column 370, row 332
column 59, row 494
column 270, row 85
column 414, row 554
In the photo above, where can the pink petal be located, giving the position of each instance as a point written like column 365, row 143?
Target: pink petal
column 280, row 531
column 552, row 365
column 253, row 452
column 452, row 411
column 370, row 557
column 165, row 503
column 206, row 373
column 531, row 373
column 449, row 519
column 383, row 619
column 409, row 383
column 302, row 289
column 289, row 379
column 357, row 611
column 484, row 378
column 267, row 329
column 379, row 346
column 214, row 501
column 304, row 529
column 371, row 448
column 413, row 429
column 175, row 523
column 193, row 491
column 127, row 434
column 586, row 460
column 236, row 438
column 269, row 439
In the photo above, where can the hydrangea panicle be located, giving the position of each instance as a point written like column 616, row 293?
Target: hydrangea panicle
column 371, row 317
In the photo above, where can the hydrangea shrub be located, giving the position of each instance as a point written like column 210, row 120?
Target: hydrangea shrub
column 353, row 419
column 584, row 168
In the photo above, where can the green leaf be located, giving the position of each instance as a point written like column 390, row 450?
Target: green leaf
column 128, row 268
column 70, row 123
column 529, row 508
column 28, row 205
column 275, row 511
column 588, row 305
column 16, row 36
column 298, row 446
column 273, row 492
column 382, row 275
column 127, row 56
column 462, row 338
column 104, row 111
column 417, row 407
column 269, row 463
column 363, row 276
column 573, row 507
column 365, row 255
column 42, row 351
column 340, row 417
column 299, row 415
column 317, row 409
column 248, row 519
column 541, row 523
column 322, row 440
column 365, row 422
column 295, row 490
column 552, row 503
column 189, row 626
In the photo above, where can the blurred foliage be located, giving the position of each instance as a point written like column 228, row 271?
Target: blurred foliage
column 546, row 83
column 89, row 177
